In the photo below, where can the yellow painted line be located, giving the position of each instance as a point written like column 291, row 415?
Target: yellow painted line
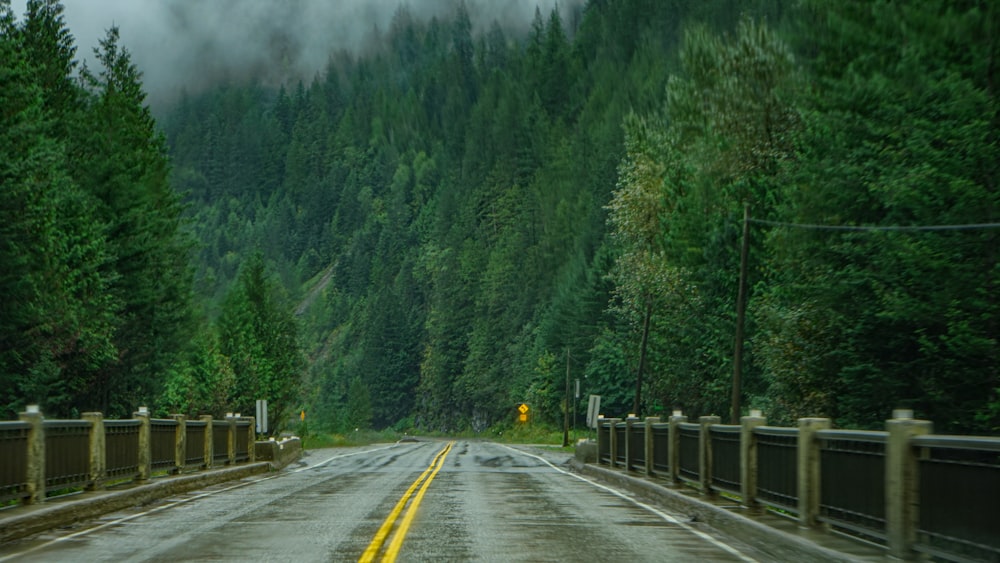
column 383, row 532
column 404, row 526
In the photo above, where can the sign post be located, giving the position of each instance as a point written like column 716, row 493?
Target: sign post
column 576, row 403
column 261, row 416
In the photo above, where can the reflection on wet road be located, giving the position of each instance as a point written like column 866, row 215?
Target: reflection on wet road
column 477, row 501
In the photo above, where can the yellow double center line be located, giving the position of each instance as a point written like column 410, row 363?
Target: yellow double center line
column 423, row 482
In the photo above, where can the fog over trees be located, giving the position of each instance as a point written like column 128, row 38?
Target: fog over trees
column 183, row 45
column 411, row 215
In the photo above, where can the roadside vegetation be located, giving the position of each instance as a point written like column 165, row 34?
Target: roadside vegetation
column 426, row 233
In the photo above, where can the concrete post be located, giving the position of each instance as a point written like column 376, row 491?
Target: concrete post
column 145, row 444
column 902, row 499
column 674, row 451
column 231, row 441
column 613, row 441
column 180, row 443
column 705, row 453
column 748, row 457
column 600, row 441
column 97, row 450
column 35, row 473
column 251, row 439
column 650, row 443
column 809, row 474
column 209, row 449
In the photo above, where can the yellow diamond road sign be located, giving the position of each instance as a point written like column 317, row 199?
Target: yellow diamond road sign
column 523, row 408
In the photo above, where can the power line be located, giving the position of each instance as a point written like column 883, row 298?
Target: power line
column 967, row 227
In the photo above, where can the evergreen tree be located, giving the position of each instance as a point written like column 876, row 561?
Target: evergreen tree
column 259, row 336
column 123, row 164
column 901, row 132
column 56, row 317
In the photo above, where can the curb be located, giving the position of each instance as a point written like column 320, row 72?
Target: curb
column 769, row 540
column 29, row 520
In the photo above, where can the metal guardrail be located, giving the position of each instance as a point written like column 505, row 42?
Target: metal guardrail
column 725, row 444
column 67, row 454
column 220, row 444
column 620, row 445
column 14, row 452
column 959, row 480
column 690, row 435
column 163, row 442
column 867, row 484
column 194, row 448
column 243, row 444
column 777, row 466
column 39, row 457
column 604, row 443
column 637, row 447
column 121, row 454
column 661, row 447
column 856, row 504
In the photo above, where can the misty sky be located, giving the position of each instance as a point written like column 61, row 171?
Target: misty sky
column 178, row 43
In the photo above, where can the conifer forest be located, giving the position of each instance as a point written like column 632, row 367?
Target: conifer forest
column 661, row 198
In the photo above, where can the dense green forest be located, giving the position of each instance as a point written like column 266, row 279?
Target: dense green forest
column 428, row 232
column 96, row 283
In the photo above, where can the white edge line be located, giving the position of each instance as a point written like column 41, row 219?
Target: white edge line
column 175, row 503
column 328, row 460
column 656, row 511
column 131, row 517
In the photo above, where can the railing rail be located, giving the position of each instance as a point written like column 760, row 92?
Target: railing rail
column 163, row 442
column 40, row 457
column 620, row 443
column 661, row 447
column 194, row 450
column 67, row 454
column 857, row 504
column 689, row 468
column 121, row 448
column 725, row 444
column 777, row 466
column 637, row 447
column 243, row 443
column 220, row 443
column 959, row 483
column 14, row 450
column 865, row 483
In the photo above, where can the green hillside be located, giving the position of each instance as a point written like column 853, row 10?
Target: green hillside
column 431, row 231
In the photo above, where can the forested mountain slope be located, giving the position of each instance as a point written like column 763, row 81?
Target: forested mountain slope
column 473, row 205
column 456, row 185
column 426, row 232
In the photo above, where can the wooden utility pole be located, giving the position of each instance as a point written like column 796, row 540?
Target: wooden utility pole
column 741, row 310
column 642, row 356
column 566, row 410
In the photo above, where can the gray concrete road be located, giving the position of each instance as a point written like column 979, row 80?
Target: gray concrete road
column 474, row 501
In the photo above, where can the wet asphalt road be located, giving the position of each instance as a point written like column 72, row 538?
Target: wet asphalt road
column 488, row 502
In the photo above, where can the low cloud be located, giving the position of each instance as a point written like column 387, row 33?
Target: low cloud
column 184, row 44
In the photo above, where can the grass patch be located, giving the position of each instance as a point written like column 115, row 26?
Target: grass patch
column 356, row 438
column 537, row 434
column 63, row 491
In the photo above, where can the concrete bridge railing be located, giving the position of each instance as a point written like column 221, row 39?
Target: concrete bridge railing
column 905, row 488
column 39, row 456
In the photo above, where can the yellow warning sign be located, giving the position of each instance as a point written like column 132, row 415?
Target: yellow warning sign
column 523, row 418
column 523, row 409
